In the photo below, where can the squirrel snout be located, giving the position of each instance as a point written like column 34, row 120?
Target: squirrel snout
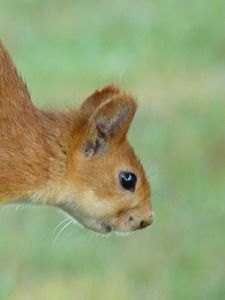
column 146, row 222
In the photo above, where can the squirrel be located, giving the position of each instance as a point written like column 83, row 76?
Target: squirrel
column 78, row 160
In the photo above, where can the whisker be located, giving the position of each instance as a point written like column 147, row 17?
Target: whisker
column 153, row 173
column 62, row 222
column 64, row 227
column 150, row 175
column 150, row 165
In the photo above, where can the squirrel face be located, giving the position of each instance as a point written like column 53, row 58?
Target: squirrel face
column 109, row 189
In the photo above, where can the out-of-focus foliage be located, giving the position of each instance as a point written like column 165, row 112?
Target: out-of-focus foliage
column 171, row 55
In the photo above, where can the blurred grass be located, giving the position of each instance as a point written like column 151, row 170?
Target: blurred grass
column 171, row 55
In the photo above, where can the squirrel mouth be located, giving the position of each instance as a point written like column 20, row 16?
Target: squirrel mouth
column 99, row 227
column 108, row 228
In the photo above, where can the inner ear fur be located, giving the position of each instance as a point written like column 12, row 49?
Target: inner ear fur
column 90, row 105
column 109, row 123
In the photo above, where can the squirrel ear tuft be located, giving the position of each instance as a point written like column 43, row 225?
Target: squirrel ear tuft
column 97, row 98
column 109, row 123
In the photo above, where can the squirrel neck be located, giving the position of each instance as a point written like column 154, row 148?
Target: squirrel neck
column 35, row 154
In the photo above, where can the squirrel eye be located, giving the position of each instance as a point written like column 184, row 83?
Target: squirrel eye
column 128, row 180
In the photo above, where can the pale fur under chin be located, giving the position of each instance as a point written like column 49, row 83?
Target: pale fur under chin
column 66, row 202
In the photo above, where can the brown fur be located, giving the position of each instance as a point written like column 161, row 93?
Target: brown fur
column 71, row 159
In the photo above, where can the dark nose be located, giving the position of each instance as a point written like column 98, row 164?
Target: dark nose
column 145, row 223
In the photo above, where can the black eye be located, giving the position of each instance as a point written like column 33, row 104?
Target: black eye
column 128, row 180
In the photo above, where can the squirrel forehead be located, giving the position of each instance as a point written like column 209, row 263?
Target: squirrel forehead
column 120, row 156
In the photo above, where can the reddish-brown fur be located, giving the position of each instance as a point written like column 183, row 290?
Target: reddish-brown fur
column 70, row 159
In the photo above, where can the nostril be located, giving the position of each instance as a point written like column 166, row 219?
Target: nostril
column 144, row 224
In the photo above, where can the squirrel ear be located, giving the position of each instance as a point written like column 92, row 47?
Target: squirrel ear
column 109, row 123
column 97, row 98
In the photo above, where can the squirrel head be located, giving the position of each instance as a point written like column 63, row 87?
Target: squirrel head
column 109, row 190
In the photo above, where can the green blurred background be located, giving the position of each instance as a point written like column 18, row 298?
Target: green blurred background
column 171, row 55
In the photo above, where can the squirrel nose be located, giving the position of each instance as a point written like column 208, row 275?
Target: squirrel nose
column 145, row 223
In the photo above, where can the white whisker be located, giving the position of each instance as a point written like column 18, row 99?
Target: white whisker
column 62, row 222
column 64, row 227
